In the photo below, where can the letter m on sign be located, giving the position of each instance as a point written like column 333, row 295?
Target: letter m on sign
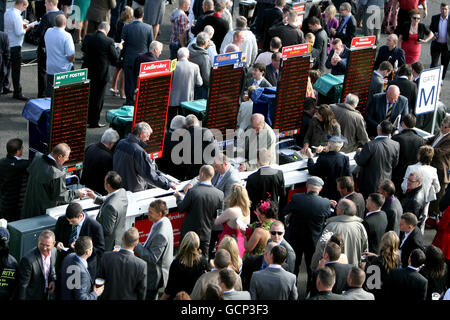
column 425, row 98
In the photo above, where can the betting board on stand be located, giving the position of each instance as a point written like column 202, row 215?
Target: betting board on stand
column 291, row 91
column 68, row 115
column 359, row 70
column 223, row 100
column 152, row 102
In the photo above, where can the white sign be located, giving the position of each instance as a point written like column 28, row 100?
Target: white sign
column 428, row 91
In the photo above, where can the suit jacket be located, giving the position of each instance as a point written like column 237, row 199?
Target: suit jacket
column 158, row 253
column 396, row 54
column 210, row 277
column 270, row 17
column 99, row 52
column 237, row 295
column 348, row 32
column 269, row 75
column 98, row 161
column 112, row 216
column 341, row 67
column 31, row 275
column 142, row 58
column 377, row 110
column 414, row 241
column 99, row 10
column 137, row 37
column 125, row 276
column 71, row 268
column 376, row 86
column 434, row 27
column 230, row 177
column 393, row 209
column 408, row 89
column 273, row 284
column 354, row 293
column 376, row 161
column 289, row 35
column 265, row 181
column 185, row 78
column 220, row 26
column 90, row 228
column 327, row 295
column 375, row 225
column 340, row 284
column 319, row 50
column 47, row 21
column 360, row 203
column 200, row 203
column 441, row 158
column 406, row 284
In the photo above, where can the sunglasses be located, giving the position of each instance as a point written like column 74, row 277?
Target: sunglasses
column 280, row 233
column 416, row 18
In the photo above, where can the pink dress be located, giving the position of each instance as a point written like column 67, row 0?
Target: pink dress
column 412, row 48
column 236, row 234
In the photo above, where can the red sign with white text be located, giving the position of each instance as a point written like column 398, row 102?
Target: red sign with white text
column 154, row 67
column 296, row 50
column 363, row 42
column 300, row 8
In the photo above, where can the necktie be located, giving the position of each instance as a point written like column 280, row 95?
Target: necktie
column 73, row 234
column 388, row 115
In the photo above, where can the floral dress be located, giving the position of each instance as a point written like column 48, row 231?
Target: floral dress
column 260, row 248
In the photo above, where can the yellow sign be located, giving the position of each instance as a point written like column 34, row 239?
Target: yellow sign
column 173, row 64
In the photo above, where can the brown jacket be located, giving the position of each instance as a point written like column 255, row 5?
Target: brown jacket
column 441, row 159
column 99, row 10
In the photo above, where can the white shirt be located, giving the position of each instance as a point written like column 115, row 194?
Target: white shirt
column 275, row 266
column 406, row 237
column 46, row 264
column 13, row 23
column 59, row 46
column 438, row 139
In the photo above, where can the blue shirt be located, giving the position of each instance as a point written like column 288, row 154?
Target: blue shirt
column 59, row 45
column 14, row 27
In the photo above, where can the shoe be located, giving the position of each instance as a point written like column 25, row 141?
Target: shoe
column 6, row 91
column 97, row 125
column 114, row 92
column 22, row 98
column 123, row 97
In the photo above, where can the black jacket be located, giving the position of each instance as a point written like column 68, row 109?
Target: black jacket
column 98, row 160
column 348, row 32
column 414, row 202
column 406, row 284
column 434, row 27
column 196, row 28
column 270, row 75
column 375, row 225
column 288, row 34
column 220, row 26
column 397, row 54
column 340, row 284
column 270, row 18
column 341, row 67
column 47, row 21
column 414, row 241
column 422, row 31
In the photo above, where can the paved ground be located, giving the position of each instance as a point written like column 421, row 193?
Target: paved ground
column 12, row 124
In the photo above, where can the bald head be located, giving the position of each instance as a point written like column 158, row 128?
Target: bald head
column 392, row 93
column 346, row 207
column 257, row 121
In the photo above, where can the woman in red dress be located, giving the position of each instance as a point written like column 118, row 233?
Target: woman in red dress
column 412, row 35
column 442, row 237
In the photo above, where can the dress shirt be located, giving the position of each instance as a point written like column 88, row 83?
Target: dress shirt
column 442, row 30
column 59, row 45
column 415, row 269
column 380, row 137
column 207, row 183
column 13, row 23
column 221, row 177
column 439, row 139
column 348, row 195
column 369, row 213
column 80, row 225
column 257, row 82
column 275, row 266
column 84, row 262
column 228, row 291
column 378, row 74
column 46, row 264
column 406, row 237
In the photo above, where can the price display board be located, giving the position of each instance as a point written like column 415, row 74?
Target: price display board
column 291, row 90
column 359, row 71
column 223, row 101
column 70, row 101
column 152, row 103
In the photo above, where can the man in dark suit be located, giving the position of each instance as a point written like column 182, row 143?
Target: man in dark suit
column 157, row 250
column 201, row 10
column 125, row 274
column 375, row 221
column 99, row 52
column 330, row 259
column 46, row 22
column 346, row 188
column 216, row 21
column 74, row 224
column 347, row 25
column 408, row 88
column 274, row 283
column 13, row 180
column 326, row 277
column 410, row 237
column 377, row 159
column 289, row 33
column 319, row 49
column 201, row 204
column 392, row 206
column 277, row 232
column 385, row 106
column 113, row 210
column 265, row 182
column 37, row 274
column 391, row 53
column 137, row 37
column 337, row 59
column 407, row 283
column 76, row 282
column 270, row 17
column 273, row 71
column 98, row 161
column 410, row 142
column 308, row 213
column 440, row 46
column 378, row 78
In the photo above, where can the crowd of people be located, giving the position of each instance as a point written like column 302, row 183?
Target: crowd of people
column 361, row 231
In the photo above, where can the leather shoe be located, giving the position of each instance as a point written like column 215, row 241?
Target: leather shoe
column 6, row 91
column 23, row 98
column 97, row 125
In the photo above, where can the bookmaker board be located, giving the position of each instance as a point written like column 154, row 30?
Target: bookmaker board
column 291, row 90
column 223, row 101
column 359, row 70
column 68, row 115
column 152, row 102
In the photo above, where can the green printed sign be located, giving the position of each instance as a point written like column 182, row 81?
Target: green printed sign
column 69, row 77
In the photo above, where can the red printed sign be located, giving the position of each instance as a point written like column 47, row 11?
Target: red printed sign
column 300, row 8
column 154, row 67
column 176, row 218
column 363, row 42
column 296, row 50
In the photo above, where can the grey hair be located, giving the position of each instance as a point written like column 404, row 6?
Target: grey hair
column 142, row 127
column 110, row 136
column 155, row 44
column 209, row 30
column 178, row 122
column 446, row 119
column 183, row 52
column 202, row 39
column 232, row 48
column 47, row 234
column 191, row 120
column 104, row 25
column 352, row 99
column 348, row 206
column 335, row 146
column 347, row 6
column 418, row 175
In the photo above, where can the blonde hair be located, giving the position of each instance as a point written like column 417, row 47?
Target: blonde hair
column 239, row 198
column 229, row 244
column 331, row 9
column 189, row 252
column 127, row 14
column 389, row 251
